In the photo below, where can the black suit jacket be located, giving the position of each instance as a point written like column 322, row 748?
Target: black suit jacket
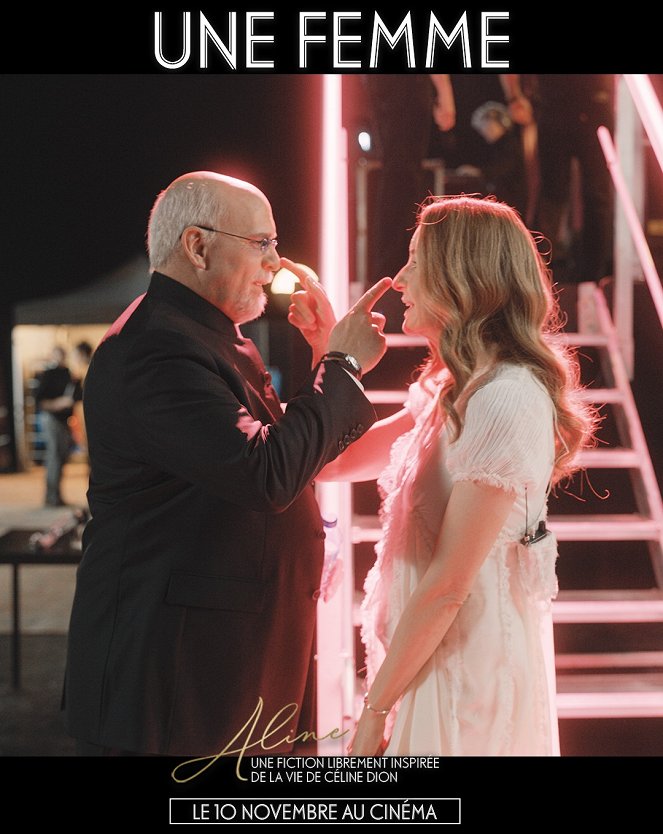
column 196, row 594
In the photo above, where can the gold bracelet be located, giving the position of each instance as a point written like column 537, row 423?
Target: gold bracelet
column 372, row 709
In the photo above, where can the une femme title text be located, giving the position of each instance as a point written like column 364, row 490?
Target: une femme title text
column 426, row 45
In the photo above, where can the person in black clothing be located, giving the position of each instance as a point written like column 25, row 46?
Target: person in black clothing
column 417, row 115
column 403, row 109
column 56, row 393
column 83, row 354
column 502, row 162
column 568, row 110
column 197, row 592
column 486, row 142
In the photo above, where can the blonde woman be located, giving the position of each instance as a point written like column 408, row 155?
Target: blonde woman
column 456, row 616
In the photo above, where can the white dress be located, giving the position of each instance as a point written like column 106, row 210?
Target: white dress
column 489, row 687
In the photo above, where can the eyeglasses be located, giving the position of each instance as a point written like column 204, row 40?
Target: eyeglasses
column 263, row 245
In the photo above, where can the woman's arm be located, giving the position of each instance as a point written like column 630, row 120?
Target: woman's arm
column 473, row 518
column 365, row 459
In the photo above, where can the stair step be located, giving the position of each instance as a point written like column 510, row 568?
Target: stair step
column 610, row 696
column 365, row 528
column 573, row 339
column 598, row 607
column 584, row 339
column 590, row 459
column 615, row 527
column 609, row 459
column 608, row 607
column 609, row 660
column 608, row 527
column 404, row 340
column 386, row 397
column 601, row 395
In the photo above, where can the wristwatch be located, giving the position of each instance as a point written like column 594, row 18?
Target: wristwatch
column 345, row 359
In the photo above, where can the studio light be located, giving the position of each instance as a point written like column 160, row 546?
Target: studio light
column 365, row 142
column 285, row 281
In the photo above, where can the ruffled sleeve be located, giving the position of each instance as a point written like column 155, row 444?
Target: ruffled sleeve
column 420, row 396
column 507, row 434
column 417, row 399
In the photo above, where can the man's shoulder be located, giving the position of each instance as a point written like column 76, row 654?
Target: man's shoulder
column 151, row 321
column 159, row 334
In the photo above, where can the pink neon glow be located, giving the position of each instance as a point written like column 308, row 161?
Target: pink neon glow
column 335, row 635
column 334, row 268
column 117, row 326
column 639, row 239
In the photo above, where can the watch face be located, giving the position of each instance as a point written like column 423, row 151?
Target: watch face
column 353, row 364
column 346, row 359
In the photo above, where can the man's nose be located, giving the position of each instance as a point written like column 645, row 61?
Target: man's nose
column 271, row 261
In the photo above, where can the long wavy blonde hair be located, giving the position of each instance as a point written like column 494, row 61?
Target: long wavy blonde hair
column 488, row 288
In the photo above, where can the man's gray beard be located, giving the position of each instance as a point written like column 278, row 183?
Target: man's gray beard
column 260, row 304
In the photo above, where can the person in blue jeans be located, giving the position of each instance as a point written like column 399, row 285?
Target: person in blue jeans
column 56, row 394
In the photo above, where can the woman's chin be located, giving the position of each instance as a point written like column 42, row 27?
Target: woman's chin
column 409, row 327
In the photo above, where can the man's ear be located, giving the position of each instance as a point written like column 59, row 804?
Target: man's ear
column 195, row 246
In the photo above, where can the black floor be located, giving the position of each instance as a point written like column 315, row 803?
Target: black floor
column 31, row 723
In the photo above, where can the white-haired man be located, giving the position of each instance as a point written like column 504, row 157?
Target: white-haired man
column 196, row 594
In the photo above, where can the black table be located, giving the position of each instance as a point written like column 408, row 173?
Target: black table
column 15, row 550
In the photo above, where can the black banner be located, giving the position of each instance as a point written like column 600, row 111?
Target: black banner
column 466, row 791
column 229, row 38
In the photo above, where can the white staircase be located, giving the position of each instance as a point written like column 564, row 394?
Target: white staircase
column 609, row 684
column 603, row 682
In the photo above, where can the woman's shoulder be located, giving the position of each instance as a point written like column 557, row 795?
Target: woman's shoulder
column 509, row 378
column 508, row 390
column 507, row 434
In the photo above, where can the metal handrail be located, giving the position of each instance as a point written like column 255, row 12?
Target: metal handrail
column 639, row 240
column 649, row 109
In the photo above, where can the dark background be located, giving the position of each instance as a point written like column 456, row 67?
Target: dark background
column 84, row 156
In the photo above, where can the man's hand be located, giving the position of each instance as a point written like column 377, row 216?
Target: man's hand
column 359, row 332
column 310, row 310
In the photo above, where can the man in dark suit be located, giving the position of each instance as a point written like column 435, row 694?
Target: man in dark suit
column 196, row 594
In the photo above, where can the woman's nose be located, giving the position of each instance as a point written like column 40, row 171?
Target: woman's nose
column 398, row 282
